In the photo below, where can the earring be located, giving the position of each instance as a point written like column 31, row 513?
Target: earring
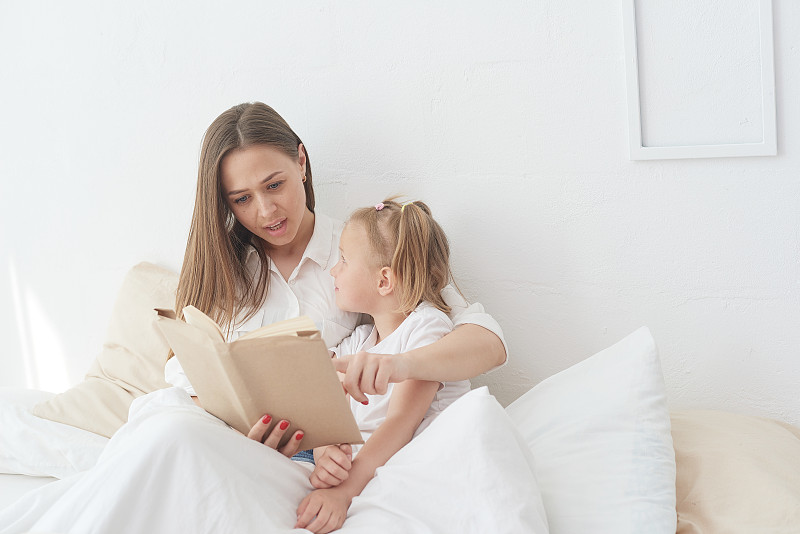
column 304, row 178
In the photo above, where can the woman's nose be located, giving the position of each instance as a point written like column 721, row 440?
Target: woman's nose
column 265, row 206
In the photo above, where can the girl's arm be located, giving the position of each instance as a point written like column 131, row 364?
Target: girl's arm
column 466, row 352
column 408, row 404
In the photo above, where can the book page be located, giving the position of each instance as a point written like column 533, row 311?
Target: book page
column 200, row 320
column 289, row 327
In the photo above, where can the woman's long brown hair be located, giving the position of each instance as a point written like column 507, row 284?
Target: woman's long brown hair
column 214, row 277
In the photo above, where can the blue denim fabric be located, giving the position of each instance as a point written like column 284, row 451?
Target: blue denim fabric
column 304, row 456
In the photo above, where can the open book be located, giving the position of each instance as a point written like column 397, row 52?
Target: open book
column 282, row 369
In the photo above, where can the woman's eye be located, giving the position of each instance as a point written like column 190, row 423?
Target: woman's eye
column 274, row 185
column 242, row 199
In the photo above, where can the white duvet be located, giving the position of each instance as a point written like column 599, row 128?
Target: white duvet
column 174, row 468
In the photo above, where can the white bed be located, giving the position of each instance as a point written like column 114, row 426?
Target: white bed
column 13, row 486
column 591, row 449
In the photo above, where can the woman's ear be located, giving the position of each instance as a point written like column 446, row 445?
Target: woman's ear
column 386, row 281
column 301, row 158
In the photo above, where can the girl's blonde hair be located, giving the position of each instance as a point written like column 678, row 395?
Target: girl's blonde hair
column 214, row 277
column 406, row 238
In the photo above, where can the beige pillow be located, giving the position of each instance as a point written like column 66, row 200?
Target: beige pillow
column 131, row 363
column 736, row 474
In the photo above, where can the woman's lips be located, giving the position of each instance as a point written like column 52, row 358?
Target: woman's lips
column 276, row 229
column 275, row 226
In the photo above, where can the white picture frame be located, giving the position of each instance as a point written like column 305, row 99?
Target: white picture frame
column 768, row 144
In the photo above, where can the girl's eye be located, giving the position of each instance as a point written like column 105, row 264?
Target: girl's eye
column 274, row 185
column 242, row 199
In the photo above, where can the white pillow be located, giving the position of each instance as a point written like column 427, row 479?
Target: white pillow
column 468, row 472
column 30, row 445
column 600, row 437
column 131, row 362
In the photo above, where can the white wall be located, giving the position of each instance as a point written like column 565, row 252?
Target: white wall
column 510, row 120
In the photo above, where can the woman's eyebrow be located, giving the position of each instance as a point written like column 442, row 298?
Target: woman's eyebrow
column 265, row 180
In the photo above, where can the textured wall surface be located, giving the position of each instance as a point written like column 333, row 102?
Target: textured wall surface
column 509, row 120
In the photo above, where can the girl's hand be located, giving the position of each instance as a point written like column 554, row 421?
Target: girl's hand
column 271, row 439
column 333, row 463
column 323, row 510
column 370, row 373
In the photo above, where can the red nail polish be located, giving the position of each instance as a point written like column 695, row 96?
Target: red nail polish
column 267, row 419
column 284, row 425
column 365, row 402
column 299, row 436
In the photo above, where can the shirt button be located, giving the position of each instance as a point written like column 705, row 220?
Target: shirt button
column 292, row 282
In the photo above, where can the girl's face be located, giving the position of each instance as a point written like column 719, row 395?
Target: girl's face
column 264, row 189
column 356, row 275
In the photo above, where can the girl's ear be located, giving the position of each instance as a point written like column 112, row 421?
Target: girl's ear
column 386, row 281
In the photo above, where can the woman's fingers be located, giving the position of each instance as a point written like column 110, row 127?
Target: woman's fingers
column 371, row 366
column 393, row 368
column 370, row 374
column 354, row 366
column 259, row 429
column 274, row 437
column 292, row 446
column 260, row 432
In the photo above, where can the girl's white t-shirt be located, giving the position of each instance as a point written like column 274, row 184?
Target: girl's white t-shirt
column 309, row 290
column 425, row 325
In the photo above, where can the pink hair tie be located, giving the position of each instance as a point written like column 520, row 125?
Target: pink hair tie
column 379, row 206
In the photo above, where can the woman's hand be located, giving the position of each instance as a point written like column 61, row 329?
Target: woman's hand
column 273, row 438
column 333, row 463
column 323, row 510
column 370, row 373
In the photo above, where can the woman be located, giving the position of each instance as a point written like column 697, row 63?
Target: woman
column 257, row 253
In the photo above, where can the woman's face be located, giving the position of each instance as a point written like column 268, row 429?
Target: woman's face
column 264, row 189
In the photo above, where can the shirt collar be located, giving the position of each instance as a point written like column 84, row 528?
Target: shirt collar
column 319, row 247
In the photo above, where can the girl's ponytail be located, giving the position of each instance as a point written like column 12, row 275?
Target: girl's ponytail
column 421, row 259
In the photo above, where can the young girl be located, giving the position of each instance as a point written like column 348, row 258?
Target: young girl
column 393, row 265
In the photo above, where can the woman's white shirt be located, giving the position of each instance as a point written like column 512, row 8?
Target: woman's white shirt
column 309, row 290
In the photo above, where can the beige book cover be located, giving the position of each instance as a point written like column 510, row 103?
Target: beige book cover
column 282, row 369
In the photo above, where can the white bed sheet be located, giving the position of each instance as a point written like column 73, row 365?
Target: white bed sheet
column 12, row 487
column 469, row 472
